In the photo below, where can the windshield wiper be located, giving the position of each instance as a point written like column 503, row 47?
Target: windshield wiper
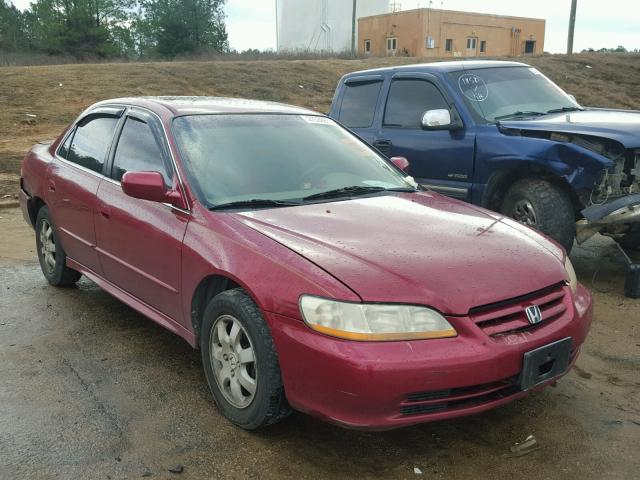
column 565, row 109
column 354, row 190
column 520, row 114
column 254, row 203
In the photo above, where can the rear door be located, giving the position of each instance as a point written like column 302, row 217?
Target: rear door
column 440, row 159
column 73, row 180
column 140, row 242
column 357, row 105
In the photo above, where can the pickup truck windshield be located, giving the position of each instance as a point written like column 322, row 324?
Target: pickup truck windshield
column 269, row 160
column 502, row 93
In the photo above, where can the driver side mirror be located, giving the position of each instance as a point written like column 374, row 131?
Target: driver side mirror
column 150, row 186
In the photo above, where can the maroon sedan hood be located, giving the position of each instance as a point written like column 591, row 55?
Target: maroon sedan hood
column 416, row 248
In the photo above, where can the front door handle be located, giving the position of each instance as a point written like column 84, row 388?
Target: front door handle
column 105, row 211
column 52, row 186
column 383, row 146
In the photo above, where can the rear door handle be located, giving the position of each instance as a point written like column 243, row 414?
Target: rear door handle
column 384, row 146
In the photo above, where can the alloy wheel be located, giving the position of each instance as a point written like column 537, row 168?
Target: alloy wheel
column 47, row 246
column 233, row 361
column 525, row 213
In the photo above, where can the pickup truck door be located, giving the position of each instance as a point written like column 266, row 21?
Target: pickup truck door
column 74, row 175
column 139, row 242
column 357, row 105
column 440, row 159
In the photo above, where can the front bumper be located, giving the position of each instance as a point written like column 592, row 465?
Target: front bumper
column 386, row 385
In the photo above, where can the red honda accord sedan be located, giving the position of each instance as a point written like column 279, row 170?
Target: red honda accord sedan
column 310, row 271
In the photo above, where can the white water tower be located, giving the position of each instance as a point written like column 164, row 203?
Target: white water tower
column 321, row 25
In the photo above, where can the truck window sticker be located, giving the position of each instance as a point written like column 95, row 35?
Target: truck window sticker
column 473, row 87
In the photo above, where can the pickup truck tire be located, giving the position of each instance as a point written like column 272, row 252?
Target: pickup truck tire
column 240, row 362
column 541, row 205
column 51, row 255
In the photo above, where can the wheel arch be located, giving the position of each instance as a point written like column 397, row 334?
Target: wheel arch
column 209, row 287
column 500, row 182
column 33, row 207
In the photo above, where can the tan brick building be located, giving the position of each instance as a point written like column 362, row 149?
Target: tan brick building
column 428, row 32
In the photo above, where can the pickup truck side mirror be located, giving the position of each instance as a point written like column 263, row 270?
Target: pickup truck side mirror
column 440, row 119
column 150, row 186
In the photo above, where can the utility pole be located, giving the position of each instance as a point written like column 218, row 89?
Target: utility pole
column 353, row 28
column 572, row 26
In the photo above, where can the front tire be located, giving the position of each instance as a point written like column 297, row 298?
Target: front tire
column 52, row 257
column 542, row 205
column 240, row 362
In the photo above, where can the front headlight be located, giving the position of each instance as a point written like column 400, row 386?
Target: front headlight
column 572, row 280
column 373, row 322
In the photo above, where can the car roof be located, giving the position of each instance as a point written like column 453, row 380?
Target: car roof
column 208, row 105
column 445, row 67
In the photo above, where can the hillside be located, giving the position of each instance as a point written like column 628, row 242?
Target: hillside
column 56, row 94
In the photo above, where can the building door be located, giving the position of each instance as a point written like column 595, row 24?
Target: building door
column 530, row 47
column 472, row 46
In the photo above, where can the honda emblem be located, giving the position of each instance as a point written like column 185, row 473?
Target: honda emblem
column 534, row 314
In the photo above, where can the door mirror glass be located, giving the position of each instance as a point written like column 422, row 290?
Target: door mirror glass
column 402, row 163
column 149, row 186
column 439, row 119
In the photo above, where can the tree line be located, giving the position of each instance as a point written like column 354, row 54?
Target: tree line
column 114, row 28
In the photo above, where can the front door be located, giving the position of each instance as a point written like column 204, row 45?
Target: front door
column 140, row 242
column 440, row 159
column 472, row 46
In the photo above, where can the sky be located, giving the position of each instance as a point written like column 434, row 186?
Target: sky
column 599, row 23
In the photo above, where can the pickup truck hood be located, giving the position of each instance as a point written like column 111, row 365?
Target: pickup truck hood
column 621, row 126
column 416, row 248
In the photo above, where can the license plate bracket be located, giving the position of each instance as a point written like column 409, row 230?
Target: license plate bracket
column 545, row 363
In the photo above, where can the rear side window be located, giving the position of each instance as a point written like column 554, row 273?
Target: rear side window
column 359, row 104
column 91, row 142
column 63, row 151
column 139, row 150
column 409, row 100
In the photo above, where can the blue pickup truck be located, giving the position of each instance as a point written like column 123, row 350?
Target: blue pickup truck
column 504, row 136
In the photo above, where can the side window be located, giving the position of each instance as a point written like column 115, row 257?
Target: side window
column 409, row 100
column 359, row 104
column 139, row 150
column 91, row 142
column 63, row 150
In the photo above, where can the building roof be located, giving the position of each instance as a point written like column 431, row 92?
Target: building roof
column 459, row 12
column 213, row 105
column 445, row 67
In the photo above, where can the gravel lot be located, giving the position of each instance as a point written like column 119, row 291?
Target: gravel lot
column 91, row 389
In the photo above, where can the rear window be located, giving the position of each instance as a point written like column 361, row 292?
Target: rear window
column 359, row 104
column 91, row 142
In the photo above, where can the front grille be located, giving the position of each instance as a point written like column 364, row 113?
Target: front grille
column 456, row 398
column 509, row 316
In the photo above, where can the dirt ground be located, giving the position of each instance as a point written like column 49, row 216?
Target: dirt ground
column 91, row 389
column 37, row 103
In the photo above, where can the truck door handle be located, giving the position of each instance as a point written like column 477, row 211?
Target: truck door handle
column 384, row 146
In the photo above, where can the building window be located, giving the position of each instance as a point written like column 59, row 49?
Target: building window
column 448, row 45
column 483, row 46
column 430, row 43
column 471, row 43
column 392, row 45
column 367, row 46
column 530, row 47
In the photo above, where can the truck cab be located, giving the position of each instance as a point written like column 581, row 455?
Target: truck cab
column 503, row 136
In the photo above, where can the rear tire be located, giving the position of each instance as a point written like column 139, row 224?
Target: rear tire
column 52, row 257
column 241, row 363
column 541, row 205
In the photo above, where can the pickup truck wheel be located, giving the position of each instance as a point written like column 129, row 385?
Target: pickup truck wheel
column 52, row 257
column 241, row 363
column 543, row 206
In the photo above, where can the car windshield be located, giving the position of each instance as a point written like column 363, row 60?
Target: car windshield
column 495, row 94
column 267, row 160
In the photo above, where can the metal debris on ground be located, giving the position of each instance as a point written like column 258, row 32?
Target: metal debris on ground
column 417, row 471
column 529, row 445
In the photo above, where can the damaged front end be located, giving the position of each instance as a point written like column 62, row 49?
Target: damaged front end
column 613, row 205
